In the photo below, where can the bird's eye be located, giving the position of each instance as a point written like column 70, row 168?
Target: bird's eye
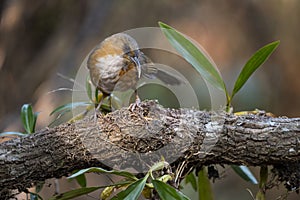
column 127, row 55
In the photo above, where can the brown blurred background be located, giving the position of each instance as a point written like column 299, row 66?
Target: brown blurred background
column 39, row 39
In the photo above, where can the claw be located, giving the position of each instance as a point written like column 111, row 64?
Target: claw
column 96, row 112
column 136, row 104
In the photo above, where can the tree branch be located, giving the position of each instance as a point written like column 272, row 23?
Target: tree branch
column 134, row 140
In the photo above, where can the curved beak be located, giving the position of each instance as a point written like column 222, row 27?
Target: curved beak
column 136, row 61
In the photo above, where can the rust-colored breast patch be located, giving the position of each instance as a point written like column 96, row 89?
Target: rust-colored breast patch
column 125, row 69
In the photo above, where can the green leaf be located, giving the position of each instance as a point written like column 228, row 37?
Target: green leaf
column 204, row 187
column 81, row 180
column 167, row 192
column 194, row 56
column 100, row 170
column 263, row 176
column 97, row 96
column 74, row 193
column 256, row 60
column 88, row 86
column 28, row 118
column 261, row 194
column 4, row 134
column 191, row 178
column 133, row 191
column 35, row 115
column 69, row 107
column 244, row 173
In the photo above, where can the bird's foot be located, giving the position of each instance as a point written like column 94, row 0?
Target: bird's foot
column 136, row 104
column 96, row 114
column 97, row 111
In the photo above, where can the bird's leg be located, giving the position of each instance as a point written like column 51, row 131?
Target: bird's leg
column 97, row 108
column 137, row 98
column 137, row 102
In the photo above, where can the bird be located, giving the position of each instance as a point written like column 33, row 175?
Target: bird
column 117, row 63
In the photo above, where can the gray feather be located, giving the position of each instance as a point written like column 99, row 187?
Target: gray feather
column 150, row 71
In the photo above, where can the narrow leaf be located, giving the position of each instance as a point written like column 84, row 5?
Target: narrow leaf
column 261, row 194
column 167, row 192
column 81, row 180
column 190, row 178
column 100, row 170
column 88, row 86
column 5, row 134
column 263, row 177
column 194, row 56
column 133, row 191
column 27, row 117
column 35, row 116
column 256, row 60
column 204, row 187
column 244, row 173
column 97, row 96
column 69, row 107
column 74, row 193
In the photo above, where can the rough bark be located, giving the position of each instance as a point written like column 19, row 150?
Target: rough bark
column 133, row 140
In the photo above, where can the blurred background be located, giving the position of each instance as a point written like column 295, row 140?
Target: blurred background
column 41, row 39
